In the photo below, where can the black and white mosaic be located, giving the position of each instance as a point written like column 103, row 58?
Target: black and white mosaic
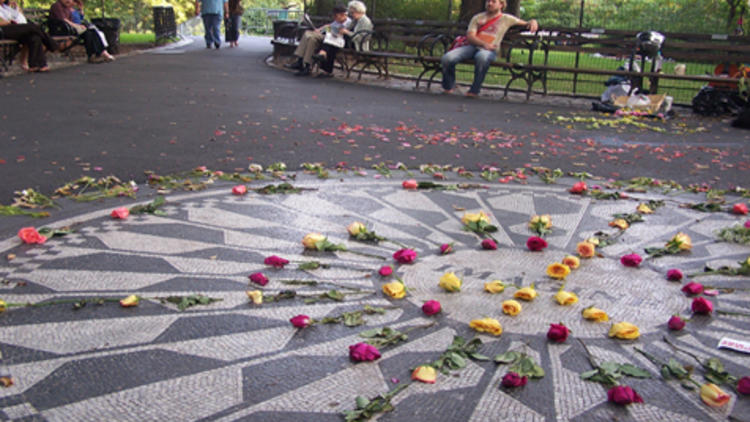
column 232, row 360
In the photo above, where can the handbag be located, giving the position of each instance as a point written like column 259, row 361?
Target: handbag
column 462, row 40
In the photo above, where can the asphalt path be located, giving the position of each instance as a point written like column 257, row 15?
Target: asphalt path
column 173, row 109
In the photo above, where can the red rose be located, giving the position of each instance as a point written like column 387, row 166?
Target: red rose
column 489, row 244
column 409, row 184
column 676, row 323
column 631, row 260
column 30, row 235
column 405, row 256
column 743, row 385
column 740, row 208
column 300, row 321
column 623, row 395
column 362, row 352
column 239, row 190
column 674, row 275
column 385, row 270
column 512, row 379
column 578, row 188
column 446, row 248
column 536, row 243
column 431, row 307
column 275, row 261
column 120, row 213
column 702, row 306
column 692, row 288
column 558, row 333
column 259, row 278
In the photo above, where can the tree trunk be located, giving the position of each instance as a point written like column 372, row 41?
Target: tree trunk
column 513, row 7
column 469, row 8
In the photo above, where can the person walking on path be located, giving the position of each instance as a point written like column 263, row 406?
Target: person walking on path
column 484, row 36
column 211, row 11
column 233, row 23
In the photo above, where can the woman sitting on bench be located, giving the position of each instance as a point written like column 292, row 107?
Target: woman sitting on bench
column 13, row 26
column 62, row 10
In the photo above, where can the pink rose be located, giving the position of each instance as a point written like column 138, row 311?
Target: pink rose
column 239, row 190
column 536, row 243
column 446, row 248
column 385, row 270
column 512, row 379
column 300, row 321
column 30, row 235
column 623, row 395
column 275, row 261
column 409, row 184
column 743, row 385
column 120, row 213
column 747, row 224
column 558, row 333
column 259, row 278
column 692, row 288
column 578, row 188
column 631, row 260
column 674, row 275
column 740, row 208
column 363, row 352
column 431, row 307
column 405, row 256
column 702, row 306
column 489, row 244
column 676, row 323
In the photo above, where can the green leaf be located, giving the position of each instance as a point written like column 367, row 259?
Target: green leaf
column 677, row 369
column 353, row 319
column 634, row 371
column 507, row 357
column 610, row 367
column 362, row 402
column 588, row 374
column 478, row 356
column 335, row 295
column 714, row 365
column 665, row 372
column 687, row 385
column 457, row 360
column 312, row 265
column 370, row 333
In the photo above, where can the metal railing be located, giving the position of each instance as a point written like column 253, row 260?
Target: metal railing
column 260, row 20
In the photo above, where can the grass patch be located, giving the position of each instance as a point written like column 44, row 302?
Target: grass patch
column 137, row 38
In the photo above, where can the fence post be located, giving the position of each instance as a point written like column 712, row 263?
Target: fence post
column 578, row 54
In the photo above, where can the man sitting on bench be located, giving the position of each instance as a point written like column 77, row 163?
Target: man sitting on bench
column 483, row 38
column 13, row 26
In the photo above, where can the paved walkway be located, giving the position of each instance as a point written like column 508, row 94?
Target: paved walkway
column 235, row 360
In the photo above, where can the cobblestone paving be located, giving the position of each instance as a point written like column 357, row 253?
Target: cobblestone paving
column 232, row 360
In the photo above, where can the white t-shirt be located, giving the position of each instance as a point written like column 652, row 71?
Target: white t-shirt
column 10, row 14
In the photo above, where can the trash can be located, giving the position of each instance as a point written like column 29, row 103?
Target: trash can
column 111, row 29
column 164, row 22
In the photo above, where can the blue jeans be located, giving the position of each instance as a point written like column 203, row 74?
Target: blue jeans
column 211, row 24
column 483, row 58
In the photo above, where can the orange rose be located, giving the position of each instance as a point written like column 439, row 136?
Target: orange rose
column 572, row 261
column 527, row 293
column 586, row 249
column 714, row 396
column 558, row 271
column 620, row 223
column 511, row 307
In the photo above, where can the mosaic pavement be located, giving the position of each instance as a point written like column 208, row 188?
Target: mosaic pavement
column 232, row 360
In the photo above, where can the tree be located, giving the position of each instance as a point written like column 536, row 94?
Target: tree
column 469, row 8
column 737, row 8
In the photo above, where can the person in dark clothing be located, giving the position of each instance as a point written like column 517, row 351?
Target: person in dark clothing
column 14, row 27
column 62, row 10
column 233, row 23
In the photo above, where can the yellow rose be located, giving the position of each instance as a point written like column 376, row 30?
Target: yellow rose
column 644, row 209
column 527, row 294
column 256, row 296
column 572, row 262
column 3, row 306
column 450, row 282
column 620, row 223
column 487, row 325
column 595, row 314
column 714, row 396
column 593, row 240
column 566, row 298
column 511, row 307
column 395, row 289
column 747, row 261
column 356, row 228
column 682, row 241
column 558, row 271
column 624, row 330
column 543, row 220
column 473, row 218
column 494, row 286
column 311, row 239
column 425, row 373
column 586, row 249
column 129, row 301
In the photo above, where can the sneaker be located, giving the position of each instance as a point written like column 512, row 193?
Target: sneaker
column 305, row 71
column 217, row 45
column 296, row 65
column 471, row 95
